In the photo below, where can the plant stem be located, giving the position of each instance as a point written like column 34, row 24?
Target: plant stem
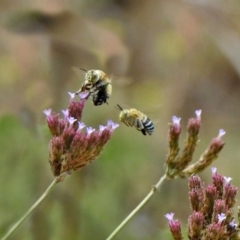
column 144, row 201
column 30, row 210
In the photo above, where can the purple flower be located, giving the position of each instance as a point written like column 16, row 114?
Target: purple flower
column 112, row 125
column 90, row 130
column 232, row 224
column 169, row 216
column 70, row 149
column 65, row 114
column 198, row 114
column 72, row 95
column 83, row 95
column 176, row 121
column 227, row 180
column 71, row 120
column 81, row 125
column 214, row 171
column 175, row 128
column 221, row 217
column 47, row 112
column 101, row 128
column 221, row 133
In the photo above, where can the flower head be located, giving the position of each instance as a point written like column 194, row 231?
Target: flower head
column 71, row 149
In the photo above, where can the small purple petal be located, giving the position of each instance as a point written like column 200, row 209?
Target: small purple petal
column 232, row 224
column 83, row 95
column 65, row 114
column 198, row 114
column 221, row 217
column 72, row 95
column 227, row 179
column 47, row 112
column 71, row 120
column 214, row 170
column 80, row 126
column 90, row 130
column 112, row 125
column 176, row 121
column 101, row 128
column 169, row 216
column 221, row 133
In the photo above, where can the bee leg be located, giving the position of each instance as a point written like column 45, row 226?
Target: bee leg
column 126, row 123
column 140, row 126
column 143, row 132
column 76, row 93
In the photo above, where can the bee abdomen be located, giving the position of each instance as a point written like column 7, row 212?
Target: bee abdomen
column 148, row 125
column 101, row 96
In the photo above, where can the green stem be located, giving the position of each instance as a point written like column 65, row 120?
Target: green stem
column 144, row 201
column 30, row 210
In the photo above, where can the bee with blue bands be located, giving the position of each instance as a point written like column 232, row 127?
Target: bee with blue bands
column 134, row 118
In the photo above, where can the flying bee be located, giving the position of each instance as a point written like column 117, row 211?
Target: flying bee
column 134, row 118
column 99, row 86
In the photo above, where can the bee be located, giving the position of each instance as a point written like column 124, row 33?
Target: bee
column 99, row 86
column 134, row 118
column 102, row 95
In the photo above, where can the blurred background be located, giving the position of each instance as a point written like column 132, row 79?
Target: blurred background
column 165, row 58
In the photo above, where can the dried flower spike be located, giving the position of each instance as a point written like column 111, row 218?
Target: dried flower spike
column 176, row 164
column 175, row 226
column 208, row 156
column 191, row 141
column 212, row 214
column 195, row 225
column 196, row 193
column 71, row 148
column 173, row 136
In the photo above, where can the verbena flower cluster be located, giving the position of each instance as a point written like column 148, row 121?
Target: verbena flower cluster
column 71, row 148
column 178, row 164
column 212, row 208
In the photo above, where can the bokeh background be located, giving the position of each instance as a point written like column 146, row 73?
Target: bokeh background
column 165, row 58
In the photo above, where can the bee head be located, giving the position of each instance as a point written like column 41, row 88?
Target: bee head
column 124, row 112
column 89, row 76
column 93, row 75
